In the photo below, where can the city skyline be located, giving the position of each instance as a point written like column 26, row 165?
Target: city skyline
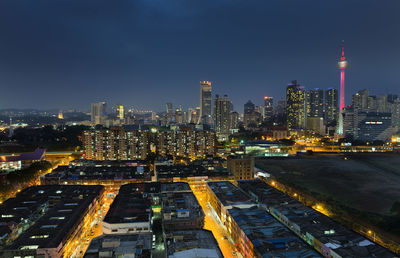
column 118, row 57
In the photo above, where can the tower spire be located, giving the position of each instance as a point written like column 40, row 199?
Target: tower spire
column 343, row 58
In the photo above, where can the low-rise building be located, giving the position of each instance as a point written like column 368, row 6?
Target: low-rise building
column 50, row 220
column 328, row 237
column 254, row 232
column 192, row 243
column 181, row 210
column 132, row 245
column 129, row 213
column 10, row 163
column 241, row 166
column 109, row 176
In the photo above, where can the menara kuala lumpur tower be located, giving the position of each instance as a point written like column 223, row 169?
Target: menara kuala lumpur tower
column 342, row 66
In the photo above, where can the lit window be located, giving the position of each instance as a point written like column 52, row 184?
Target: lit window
column 58, row 218
column 40, row 236
column 28, row 247
column 48, row 226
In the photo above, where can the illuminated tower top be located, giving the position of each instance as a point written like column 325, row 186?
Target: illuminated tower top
column 342, row 62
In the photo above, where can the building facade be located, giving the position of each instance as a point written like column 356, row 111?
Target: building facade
column 205, row 102
column 295, row 106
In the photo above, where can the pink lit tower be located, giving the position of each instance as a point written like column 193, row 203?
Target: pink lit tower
column 342, row 66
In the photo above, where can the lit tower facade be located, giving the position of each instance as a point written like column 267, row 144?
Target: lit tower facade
column 342, row 65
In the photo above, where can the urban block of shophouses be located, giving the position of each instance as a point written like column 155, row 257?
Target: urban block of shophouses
column 152, row 218
column 368, row 118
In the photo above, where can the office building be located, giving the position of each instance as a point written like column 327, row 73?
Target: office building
column 251, row 118
column 368, row 126
column 98, row 112
column 315, row 103
column 360, row 100
column 120, row 112
column 234, row 120
column 222, row 110
column 331, row 107
column 381, row 103
column 169, row 113
column 205, row 103
column 295, row 106
column 268, row 109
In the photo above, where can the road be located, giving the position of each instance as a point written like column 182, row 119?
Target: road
column 212, row 223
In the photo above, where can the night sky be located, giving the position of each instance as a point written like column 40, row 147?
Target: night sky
column 143, row 53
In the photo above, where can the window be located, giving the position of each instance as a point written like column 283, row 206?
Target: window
column 29, row 247
column 58, row 218
column 7, row 216
column 48, row 226
column 71, row 204
column 114, row 230
column 40, row 236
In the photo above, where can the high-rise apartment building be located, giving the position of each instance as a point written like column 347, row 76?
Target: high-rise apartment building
column 118, row 143
column 315, row 103
column 222, row 110
column 98, row 112
column 268, row 109
column 295, row 106
column 331, row 107
column 205, row 102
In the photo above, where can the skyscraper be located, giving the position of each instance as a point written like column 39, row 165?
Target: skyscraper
column 250, row 115
column 315, row 103
column 295, row 106
column 169, row 112
column 98, row 112
column 120, row 112
column 381, row 103
column 268, row 108
column 342, row 65
column 205, row 102
column 222, row 110
column 331, row 107
column 360, row 100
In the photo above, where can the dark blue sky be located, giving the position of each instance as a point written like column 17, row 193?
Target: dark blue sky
column 143, row 53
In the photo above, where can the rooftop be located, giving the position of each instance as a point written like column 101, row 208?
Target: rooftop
column 270, row 237
column 99, row 173
column 129, row 206
column 132, row 245
column 165, row 171
column 186, row 243
column 57, row 209
column 228, row 194
column 331, row 233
